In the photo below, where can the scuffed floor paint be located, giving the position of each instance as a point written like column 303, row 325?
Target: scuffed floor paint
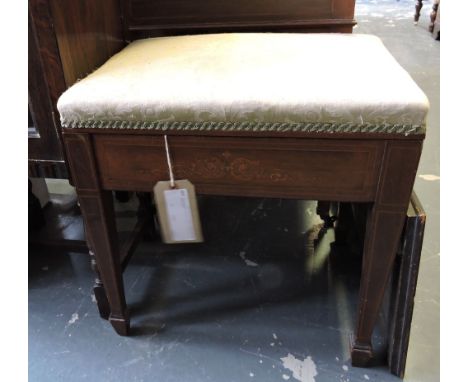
column 133, row 361
column 73, row 318
column 429, row 177
column 303, row 371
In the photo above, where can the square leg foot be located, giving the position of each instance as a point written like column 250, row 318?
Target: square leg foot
column 102, row 302
column 361, row 354
column 121, row 325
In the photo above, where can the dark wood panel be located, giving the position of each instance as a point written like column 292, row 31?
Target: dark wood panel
column 48, row 49
column 406, row 275
column 148, row 18
column 157, row 11
column 88, row 33
column 322, row 26
column 51, row 68
column 44, row 143
column 244, row 166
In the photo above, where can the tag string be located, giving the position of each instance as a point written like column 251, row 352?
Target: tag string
column 169, row 163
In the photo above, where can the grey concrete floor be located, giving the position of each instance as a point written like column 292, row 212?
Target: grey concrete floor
column 254, row 302
column 232, row 309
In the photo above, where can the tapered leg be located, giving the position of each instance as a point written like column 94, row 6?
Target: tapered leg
column 417, row 7
column 99, row 219
column 383, row 230
column 98, row 213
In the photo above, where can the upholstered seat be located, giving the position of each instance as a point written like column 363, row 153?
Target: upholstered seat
column 251, row 81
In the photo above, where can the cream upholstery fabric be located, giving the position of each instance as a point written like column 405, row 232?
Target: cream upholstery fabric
column 250, row 81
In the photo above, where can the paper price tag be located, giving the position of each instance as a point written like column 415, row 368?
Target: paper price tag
column 179, row 215
column 178, row 212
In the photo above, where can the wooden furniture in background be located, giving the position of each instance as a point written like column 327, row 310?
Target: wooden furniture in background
column 66, row 41
column 45, row 84
column 150, row 18
column 417, row 14
column 434, row 26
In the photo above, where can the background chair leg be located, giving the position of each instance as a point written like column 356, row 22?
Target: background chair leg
column 418, row 6
column 147, row 211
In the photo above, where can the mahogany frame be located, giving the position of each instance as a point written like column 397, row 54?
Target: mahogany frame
column 380, row 169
